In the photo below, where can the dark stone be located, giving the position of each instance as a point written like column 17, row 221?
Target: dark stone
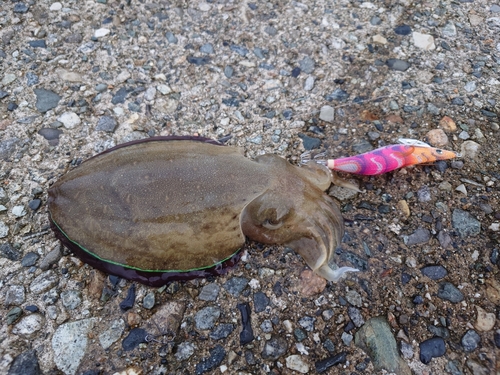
column 355, row 316
column 246, row 334
column 309, row 143
column 20, row 8
column 266, row 66
column 418, row 300
column 12, row 106
column 287, row 114
column 402, row 30
column 120, row 95
column 29, row 259
column 420, row 236
column 217, row 355
column 35, row 204
column 171, row 37
column 260, row 302
column 466, row 224
column 457, row 101
column 240, row 50
column 397, row 64
column 25, row 364
column 38, row 43
column 325, row 364
column 231, row 102
column 221, row 331
column 449, row 292
column 32, row 308
column 46, row 100
column 496, row 338
column 50, row 134
column 487, row 113
column 405, row 278
column 128, row 302
column 106, row 124
column 295, row 72
column 3, row 94
column 357, row 261
column 299, row 334
column 432, row 348
column 135, row 337
column 274, row 348
column 235, row 285
column 338, row 95
column 7, row 251
column 439, row 331
column 377, row 340
column 228, row 71
column 434, row 272
column 470, row 341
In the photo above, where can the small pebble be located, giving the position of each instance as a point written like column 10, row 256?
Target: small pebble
column 222, row 331
column 470, row 341
column 485, row 321
column 437, row 138
column 209, row 292
column 29, row 259
column 149, row 301
column 325, row 364
column 432, row 348
column 402, row 30
column 449, row 292
column 434, row 272
column 135, row 337
column 205, row 318
column 274, row 348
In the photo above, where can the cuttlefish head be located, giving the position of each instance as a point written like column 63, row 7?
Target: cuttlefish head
column 296, row 212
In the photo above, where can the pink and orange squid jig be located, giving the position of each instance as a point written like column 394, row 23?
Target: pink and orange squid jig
column 389, row 158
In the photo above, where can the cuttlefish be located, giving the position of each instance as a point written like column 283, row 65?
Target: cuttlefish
column 176, row 208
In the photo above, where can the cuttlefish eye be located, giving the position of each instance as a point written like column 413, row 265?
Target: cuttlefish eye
column 272, row 224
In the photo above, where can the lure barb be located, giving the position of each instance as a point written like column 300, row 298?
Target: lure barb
column 389, row 158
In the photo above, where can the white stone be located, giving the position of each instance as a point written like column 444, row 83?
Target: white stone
column 470, row 86
column 66, row 75
column 18, row 211
column 295, row 362
column 461, row 188
column 424, row 41
column 69, row 344
column 122, row 77
column 379, row 39
column 150, row 94
column 327, row 113
column 495, row 227
column 309, row 84
column 112, row 334
column 4, row 230
column 56, row 6
column 69, row 120
column 205, row 7
column 28, row 325
column 164, row 89
column 99, row 33
column 297, row 124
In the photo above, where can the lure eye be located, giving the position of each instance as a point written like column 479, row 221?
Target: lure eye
column 439, row 152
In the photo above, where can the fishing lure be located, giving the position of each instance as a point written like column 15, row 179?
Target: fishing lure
column 389, row 158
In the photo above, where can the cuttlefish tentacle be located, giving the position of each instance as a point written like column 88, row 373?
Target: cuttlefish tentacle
column 311, row 225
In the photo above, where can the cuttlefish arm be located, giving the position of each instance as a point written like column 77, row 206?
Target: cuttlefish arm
column 296, row 212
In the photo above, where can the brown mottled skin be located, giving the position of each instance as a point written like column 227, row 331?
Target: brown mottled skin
column 166, row 205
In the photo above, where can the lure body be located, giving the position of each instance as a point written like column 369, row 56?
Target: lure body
column 389, row 158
